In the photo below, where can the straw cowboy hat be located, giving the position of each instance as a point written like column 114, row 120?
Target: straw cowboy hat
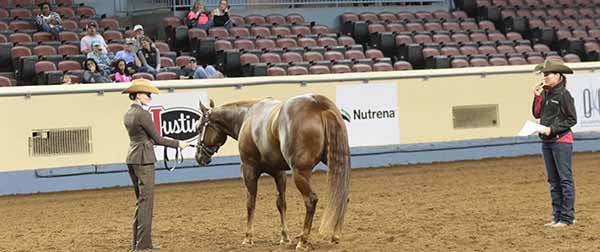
column 141, row 86
column 550, row 66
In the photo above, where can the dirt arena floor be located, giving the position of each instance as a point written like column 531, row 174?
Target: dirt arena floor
column 488, row 205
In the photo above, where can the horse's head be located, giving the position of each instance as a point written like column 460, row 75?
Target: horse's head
column 212, row 135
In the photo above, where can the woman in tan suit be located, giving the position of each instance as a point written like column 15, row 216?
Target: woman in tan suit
column 140, row 159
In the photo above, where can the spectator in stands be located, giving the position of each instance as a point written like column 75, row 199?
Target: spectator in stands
column 221, row 15
column 92, row 35
column 121, row 71
column 149, row 56
column 49, row 21
column 554, row 106
column 129, row 55
column 198, row 17
column 139, row 34
column 193, row 71
column 92, row 74
column 100, row 57
column 67, row 79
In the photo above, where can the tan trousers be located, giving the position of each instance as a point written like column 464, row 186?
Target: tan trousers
column 142, row 177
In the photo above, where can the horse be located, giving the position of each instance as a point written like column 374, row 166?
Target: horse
column 274, row 137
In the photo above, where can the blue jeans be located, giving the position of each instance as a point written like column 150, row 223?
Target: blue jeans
column 204, row 73
column 54, row 30
column 557, row 157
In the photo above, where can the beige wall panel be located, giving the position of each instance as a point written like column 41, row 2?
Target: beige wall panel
column 424, row 108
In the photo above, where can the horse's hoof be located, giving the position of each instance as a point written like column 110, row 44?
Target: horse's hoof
column 334, row 239
column 303, row 246
column 284, row 241
column 247, row 242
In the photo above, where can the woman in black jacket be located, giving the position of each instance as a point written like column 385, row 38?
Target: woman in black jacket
column 554, row 106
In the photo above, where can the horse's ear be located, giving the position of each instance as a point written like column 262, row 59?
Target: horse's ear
column 211, row 103
column 203, row 109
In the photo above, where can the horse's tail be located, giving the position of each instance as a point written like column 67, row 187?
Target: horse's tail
column 338, row 162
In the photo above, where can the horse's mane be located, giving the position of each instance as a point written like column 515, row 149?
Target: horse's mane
column 243, row 103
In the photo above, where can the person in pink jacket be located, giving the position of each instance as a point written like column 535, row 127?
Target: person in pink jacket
column 198, row 17
column 121, row 72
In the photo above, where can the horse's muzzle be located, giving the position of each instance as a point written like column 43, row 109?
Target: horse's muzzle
column 203, row 160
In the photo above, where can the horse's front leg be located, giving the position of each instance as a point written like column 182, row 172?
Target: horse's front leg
column 251, row 182
column 280, row 182
column 302, row 179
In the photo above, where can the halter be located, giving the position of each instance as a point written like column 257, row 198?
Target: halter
column 206, row 150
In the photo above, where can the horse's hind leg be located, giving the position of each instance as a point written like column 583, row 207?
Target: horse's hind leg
column 280, row 182
column 302, row 180
column 251, row 182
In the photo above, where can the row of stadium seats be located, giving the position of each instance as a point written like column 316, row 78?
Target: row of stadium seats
column 312, row 56
column 250, row 20
column 551, row 31
column 336, row 68
column 464, row 61
column 68, row 24
column 231, row 60
column 64, row 12
column 431, row 26
column 401, row 45
column 416, row 53
column 556, row 12
column 537, row 3
column 456, row 37
column 361, row 30
column 259, row 31
column 250, row 43
column 21, row 59
column 32, row 3
column 403, row 15
column 47, row 72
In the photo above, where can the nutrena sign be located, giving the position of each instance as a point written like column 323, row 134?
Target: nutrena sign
column 373, row 113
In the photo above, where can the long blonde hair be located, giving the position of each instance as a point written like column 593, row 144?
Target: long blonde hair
column 201, row 2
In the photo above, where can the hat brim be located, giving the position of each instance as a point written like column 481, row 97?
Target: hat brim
column 556, row 69
column 549, row 67
column 141, row 88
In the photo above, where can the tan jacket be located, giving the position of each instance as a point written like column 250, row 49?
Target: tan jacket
column 143, row 136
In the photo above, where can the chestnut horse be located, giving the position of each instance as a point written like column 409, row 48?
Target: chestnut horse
column 275, row 136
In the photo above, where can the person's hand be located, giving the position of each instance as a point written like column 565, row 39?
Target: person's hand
column 183, row 144
column 538, row 88
column 546, row 131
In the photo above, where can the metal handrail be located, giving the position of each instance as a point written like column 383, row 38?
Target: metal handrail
column 129, row 6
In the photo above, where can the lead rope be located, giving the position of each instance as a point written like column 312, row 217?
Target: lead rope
column 178, row 157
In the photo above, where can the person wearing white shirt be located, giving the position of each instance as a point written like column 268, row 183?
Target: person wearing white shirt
column 92, row 35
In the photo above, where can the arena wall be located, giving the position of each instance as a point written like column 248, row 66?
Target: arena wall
column 425, row 102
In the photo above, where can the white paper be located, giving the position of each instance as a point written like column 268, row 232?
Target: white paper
column 530, row 128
